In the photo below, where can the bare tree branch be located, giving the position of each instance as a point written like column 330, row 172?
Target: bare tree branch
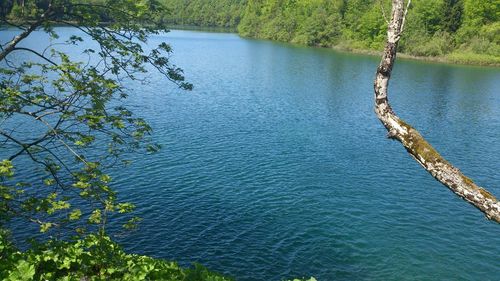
column 12, row 44
column 411, row 139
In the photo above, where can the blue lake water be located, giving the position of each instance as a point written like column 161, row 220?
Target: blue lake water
column 275, row 165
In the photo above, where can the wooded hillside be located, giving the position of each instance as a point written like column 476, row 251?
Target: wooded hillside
column 461, row 30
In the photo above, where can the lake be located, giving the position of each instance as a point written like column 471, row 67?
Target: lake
column 275, row 165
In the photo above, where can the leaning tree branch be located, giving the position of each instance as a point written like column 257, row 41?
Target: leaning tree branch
column 411, row 139
column 12, row 44
column 36, row 53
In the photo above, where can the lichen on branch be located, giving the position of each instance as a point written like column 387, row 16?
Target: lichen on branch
column 423, row 152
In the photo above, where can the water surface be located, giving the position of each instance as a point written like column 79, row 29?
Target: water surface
column 275, row 166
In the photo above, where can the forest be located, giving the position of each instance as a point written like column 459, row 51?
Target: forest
column 463, row 31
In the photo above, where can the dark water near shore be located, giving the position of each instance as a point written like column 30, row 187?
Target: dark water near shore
column 275, row 166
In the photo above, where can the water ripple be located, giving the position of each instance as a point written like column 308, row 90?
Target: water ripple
column 275, row 166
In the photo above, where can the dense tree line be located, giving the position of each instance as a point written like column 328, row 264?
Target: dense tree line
column 219, row 13
column 463, row 30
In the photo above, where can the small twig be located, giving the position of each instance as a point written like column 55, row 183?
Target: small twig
column 404, row 17
column 383, row 12
column 60, row 139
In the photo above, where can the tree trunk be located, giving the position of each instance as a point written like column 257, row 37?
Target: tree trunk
column 411, row 139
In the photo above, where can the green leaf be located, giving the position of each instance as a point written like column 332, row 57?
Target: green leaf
column 132, row 223
column 23, row 271
column 95, row 217
column 82, row 184
column 75, row 215
column 125, row 207
column 44, row 227
column 49, row 182
column 105, row 178
column 6, row 168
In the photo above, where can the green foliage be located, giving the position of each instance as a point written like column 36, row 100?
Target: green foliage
column 75, row 110
column 300, row 22
column 451, row 17
column 473, row 58
column 79, row 126
column 436, row 45
column 221, row 13
column 75, row 126
column 433, row 27
column 91, row 258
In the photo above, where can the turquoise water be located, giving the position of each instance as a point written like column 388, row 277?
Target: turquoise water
column 275, row 166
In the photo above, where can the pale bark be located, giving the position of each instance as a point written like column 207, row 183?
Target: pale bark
column 411, row 139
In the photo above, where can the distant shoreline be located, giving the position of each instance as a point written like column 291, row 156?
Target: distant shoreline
column 469, row 59
column 203, row 28
column 453, row 58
